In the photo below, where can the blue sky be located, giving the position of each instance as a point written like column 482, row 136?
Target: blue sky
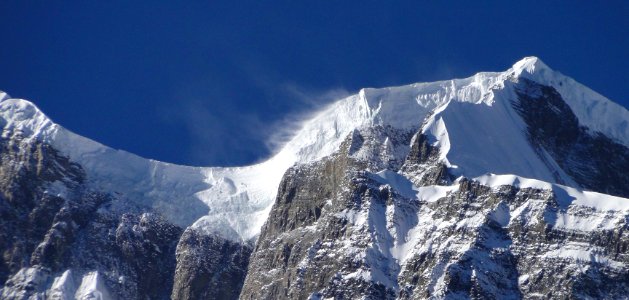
column 210, row 83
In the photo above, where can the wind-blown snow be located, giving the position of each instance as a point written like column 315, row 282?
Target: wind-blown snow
column 470, row 121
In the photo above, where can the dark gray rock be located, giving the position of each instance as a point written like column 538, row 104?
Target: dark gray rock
column 209, row 267
column 593, row 160
column 300, row 252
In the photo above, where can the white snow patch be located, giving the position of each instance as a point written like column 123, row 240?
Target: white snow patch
column 588, row 223
column 493, row 180
column 602, row 207
column 582, row 252
column 24, row 282
column 92, row 288
column 4, row 96
column 601, row 202
column 356, row 217
column 63, row 287
column 435, row 192
column 398, row 182
column 523, row 279
column 57, row 188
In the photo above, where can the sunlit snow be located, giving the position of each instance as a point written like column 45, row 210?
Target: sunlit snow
column 471, row 121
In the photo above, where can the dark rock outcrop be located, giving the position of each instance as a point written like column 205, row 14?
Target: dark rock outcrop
column 209, row 267
column 593, row 160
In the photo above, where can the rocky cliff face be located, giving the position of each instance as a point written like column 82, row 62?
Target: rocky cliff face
column 209, row 267
column 349, row 228
column 86, row 244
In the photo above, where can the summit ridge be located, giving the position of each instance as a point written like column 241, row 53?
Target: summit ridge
column 247, row 193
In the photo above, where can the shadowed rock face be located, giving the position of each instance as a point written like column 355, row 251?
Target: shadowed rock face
column 74, row 229
column 593, row 160
column 77, row 231
column 209, row 267
column 288, row 262
column 26, row 213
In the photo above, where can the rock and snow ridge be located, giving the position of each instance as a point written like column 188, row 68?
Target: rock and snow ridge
column 466, row 116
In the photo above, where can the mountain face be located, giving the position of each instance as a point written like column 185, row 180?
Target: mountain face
column 503, row 185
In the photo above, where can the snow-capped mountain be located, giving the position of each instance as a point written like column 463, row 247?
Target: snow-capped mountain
column 503, row 185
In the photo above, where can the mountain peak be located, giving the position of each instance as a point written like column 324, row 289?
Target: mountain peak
column 472, row 166
column 403, row 108
column 531, row 67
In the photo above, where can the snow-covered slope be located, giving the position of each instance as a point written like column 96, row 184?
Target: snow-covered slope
column 604, row 212
column 487, row 137
column 471, row 121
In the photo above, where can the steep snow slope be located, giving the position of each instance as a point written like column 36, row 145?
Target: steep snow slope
column 472, row 119
column 476, row 139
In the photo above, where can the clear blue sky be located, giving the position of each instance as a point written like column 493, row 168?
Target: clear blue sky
column 206, row 83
